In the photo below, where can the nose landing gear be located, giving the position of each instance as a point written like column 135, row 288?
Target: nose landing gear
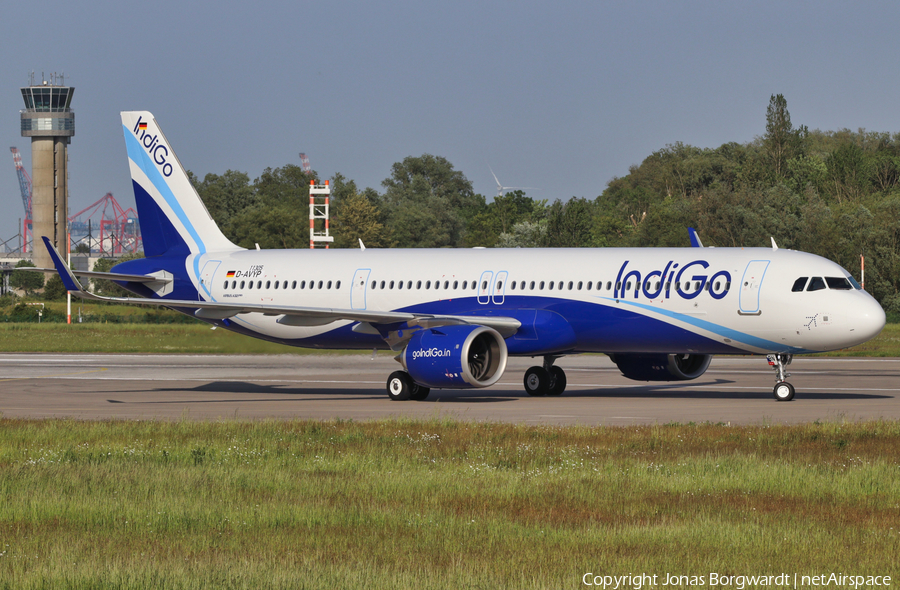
column 784, row 391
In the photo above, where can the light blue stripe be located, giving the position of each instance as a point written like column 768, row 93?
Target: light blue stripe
column 735, row 335
column 143, row 160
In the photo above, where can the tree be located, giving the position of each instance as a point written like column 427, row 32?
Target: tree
column 54, row 290
column 782, row 142
column 225, row 196
column 279, row 215
column 355, row 219
column 525, row 234
column 497, row 218
column 427, row 202
column 569, row 223
column 109, row 288
column 24, row 280
column 848, row 172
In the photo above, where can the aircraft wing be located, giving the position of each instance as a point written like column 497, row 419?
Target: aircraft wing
column 293, row 316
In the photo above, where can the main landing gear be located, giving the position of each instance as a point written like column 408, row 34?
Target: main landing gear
column 401, row 387
column 784, row 391
column 546, row 380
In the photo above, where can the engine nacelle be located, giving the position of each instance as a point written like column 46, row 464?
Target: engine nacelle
column 662, row 367
column 455, row 356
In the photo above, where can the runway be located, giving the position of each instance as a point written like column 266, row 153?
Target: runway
column 208, row 387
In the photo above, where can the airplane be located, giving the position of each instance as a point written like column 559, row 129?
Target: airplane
column 455, row 316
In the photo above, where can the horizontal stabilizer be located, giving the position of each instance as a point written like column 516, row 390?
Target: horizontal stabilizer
column 110, row 276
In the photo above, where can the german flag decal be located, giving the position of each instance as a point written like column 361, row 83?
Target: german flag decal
column 142, row 125
column 230, row 274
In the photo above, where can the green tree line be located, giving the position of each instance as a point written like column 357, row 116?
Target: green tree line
column 832, row 193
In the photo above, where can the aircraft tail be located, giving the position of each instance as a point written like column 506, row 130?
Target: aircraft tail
column 174, row 221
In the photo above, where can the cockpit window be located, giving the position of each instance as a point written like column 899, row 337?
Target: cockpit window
column 840, row 283
column 799, row 284
column 816, row 284
column 853, row 282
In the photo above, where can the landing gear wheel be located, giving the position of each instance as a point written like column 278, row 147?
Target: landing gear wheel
column 784, row 391
column 400, row 386
column 557, row 381
column 418, row 393
column 537, row 381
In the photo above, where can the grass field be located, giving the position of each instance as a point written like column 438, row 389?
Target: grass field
column 200, row 339
column 438, row 504
column 133, row 338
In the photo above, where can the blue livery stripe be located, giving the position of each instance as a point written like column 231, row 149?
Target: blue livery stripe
column 735, row 335
column 140, row 157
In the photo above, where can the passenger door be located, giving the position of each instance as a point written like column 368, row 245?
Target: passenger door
column 750, row 286
column 358, row 288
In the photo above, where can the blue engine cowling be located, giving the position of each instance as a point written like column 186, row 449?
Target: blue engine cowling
column 662, row 367
column 455, row 356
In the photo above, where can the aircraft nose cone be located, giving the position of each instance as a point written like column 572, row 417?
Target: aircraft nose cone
column 870, row 320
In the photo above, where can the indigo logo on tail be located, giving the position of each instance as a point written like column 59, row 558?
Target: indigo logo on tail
column 158, row 152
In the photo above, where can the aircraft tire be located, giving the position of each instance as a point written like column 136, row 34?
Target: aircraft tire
column 557, row 381
column 783, row 392
column 418, row 393
column 537, row 381
column 400, row 386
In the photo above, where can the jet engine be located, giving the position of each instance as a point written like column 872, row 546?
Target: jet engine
column 455, row 356
column 662, row 367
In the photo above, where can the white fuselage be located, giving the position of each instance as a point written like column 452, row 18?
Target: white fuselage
column 731, row 299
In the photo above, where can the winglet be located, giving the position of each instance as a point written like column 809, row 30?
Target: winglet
column 695, row 239
column 68, row 279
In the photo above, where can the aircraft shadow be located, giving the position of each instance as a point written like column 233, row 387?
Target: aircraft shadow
column 702, row 390
column 690, row 391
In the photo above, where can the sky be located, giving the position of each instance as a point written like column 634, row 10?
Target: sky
column 560, row 96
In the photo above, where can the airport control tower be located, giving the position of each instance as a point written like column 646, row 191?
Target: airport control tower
column 50, row 123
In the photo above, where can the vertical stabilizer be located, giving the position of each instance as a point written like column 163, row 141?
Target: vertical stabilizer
column 174, row 221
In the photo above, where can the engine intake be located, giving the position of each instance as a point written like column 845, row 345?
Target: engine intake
column 662, row 367
column 455, row 356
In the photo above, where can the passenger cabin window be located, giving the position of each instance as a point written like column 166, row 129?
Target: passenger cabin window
column 816, row 284
column 799, row 284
